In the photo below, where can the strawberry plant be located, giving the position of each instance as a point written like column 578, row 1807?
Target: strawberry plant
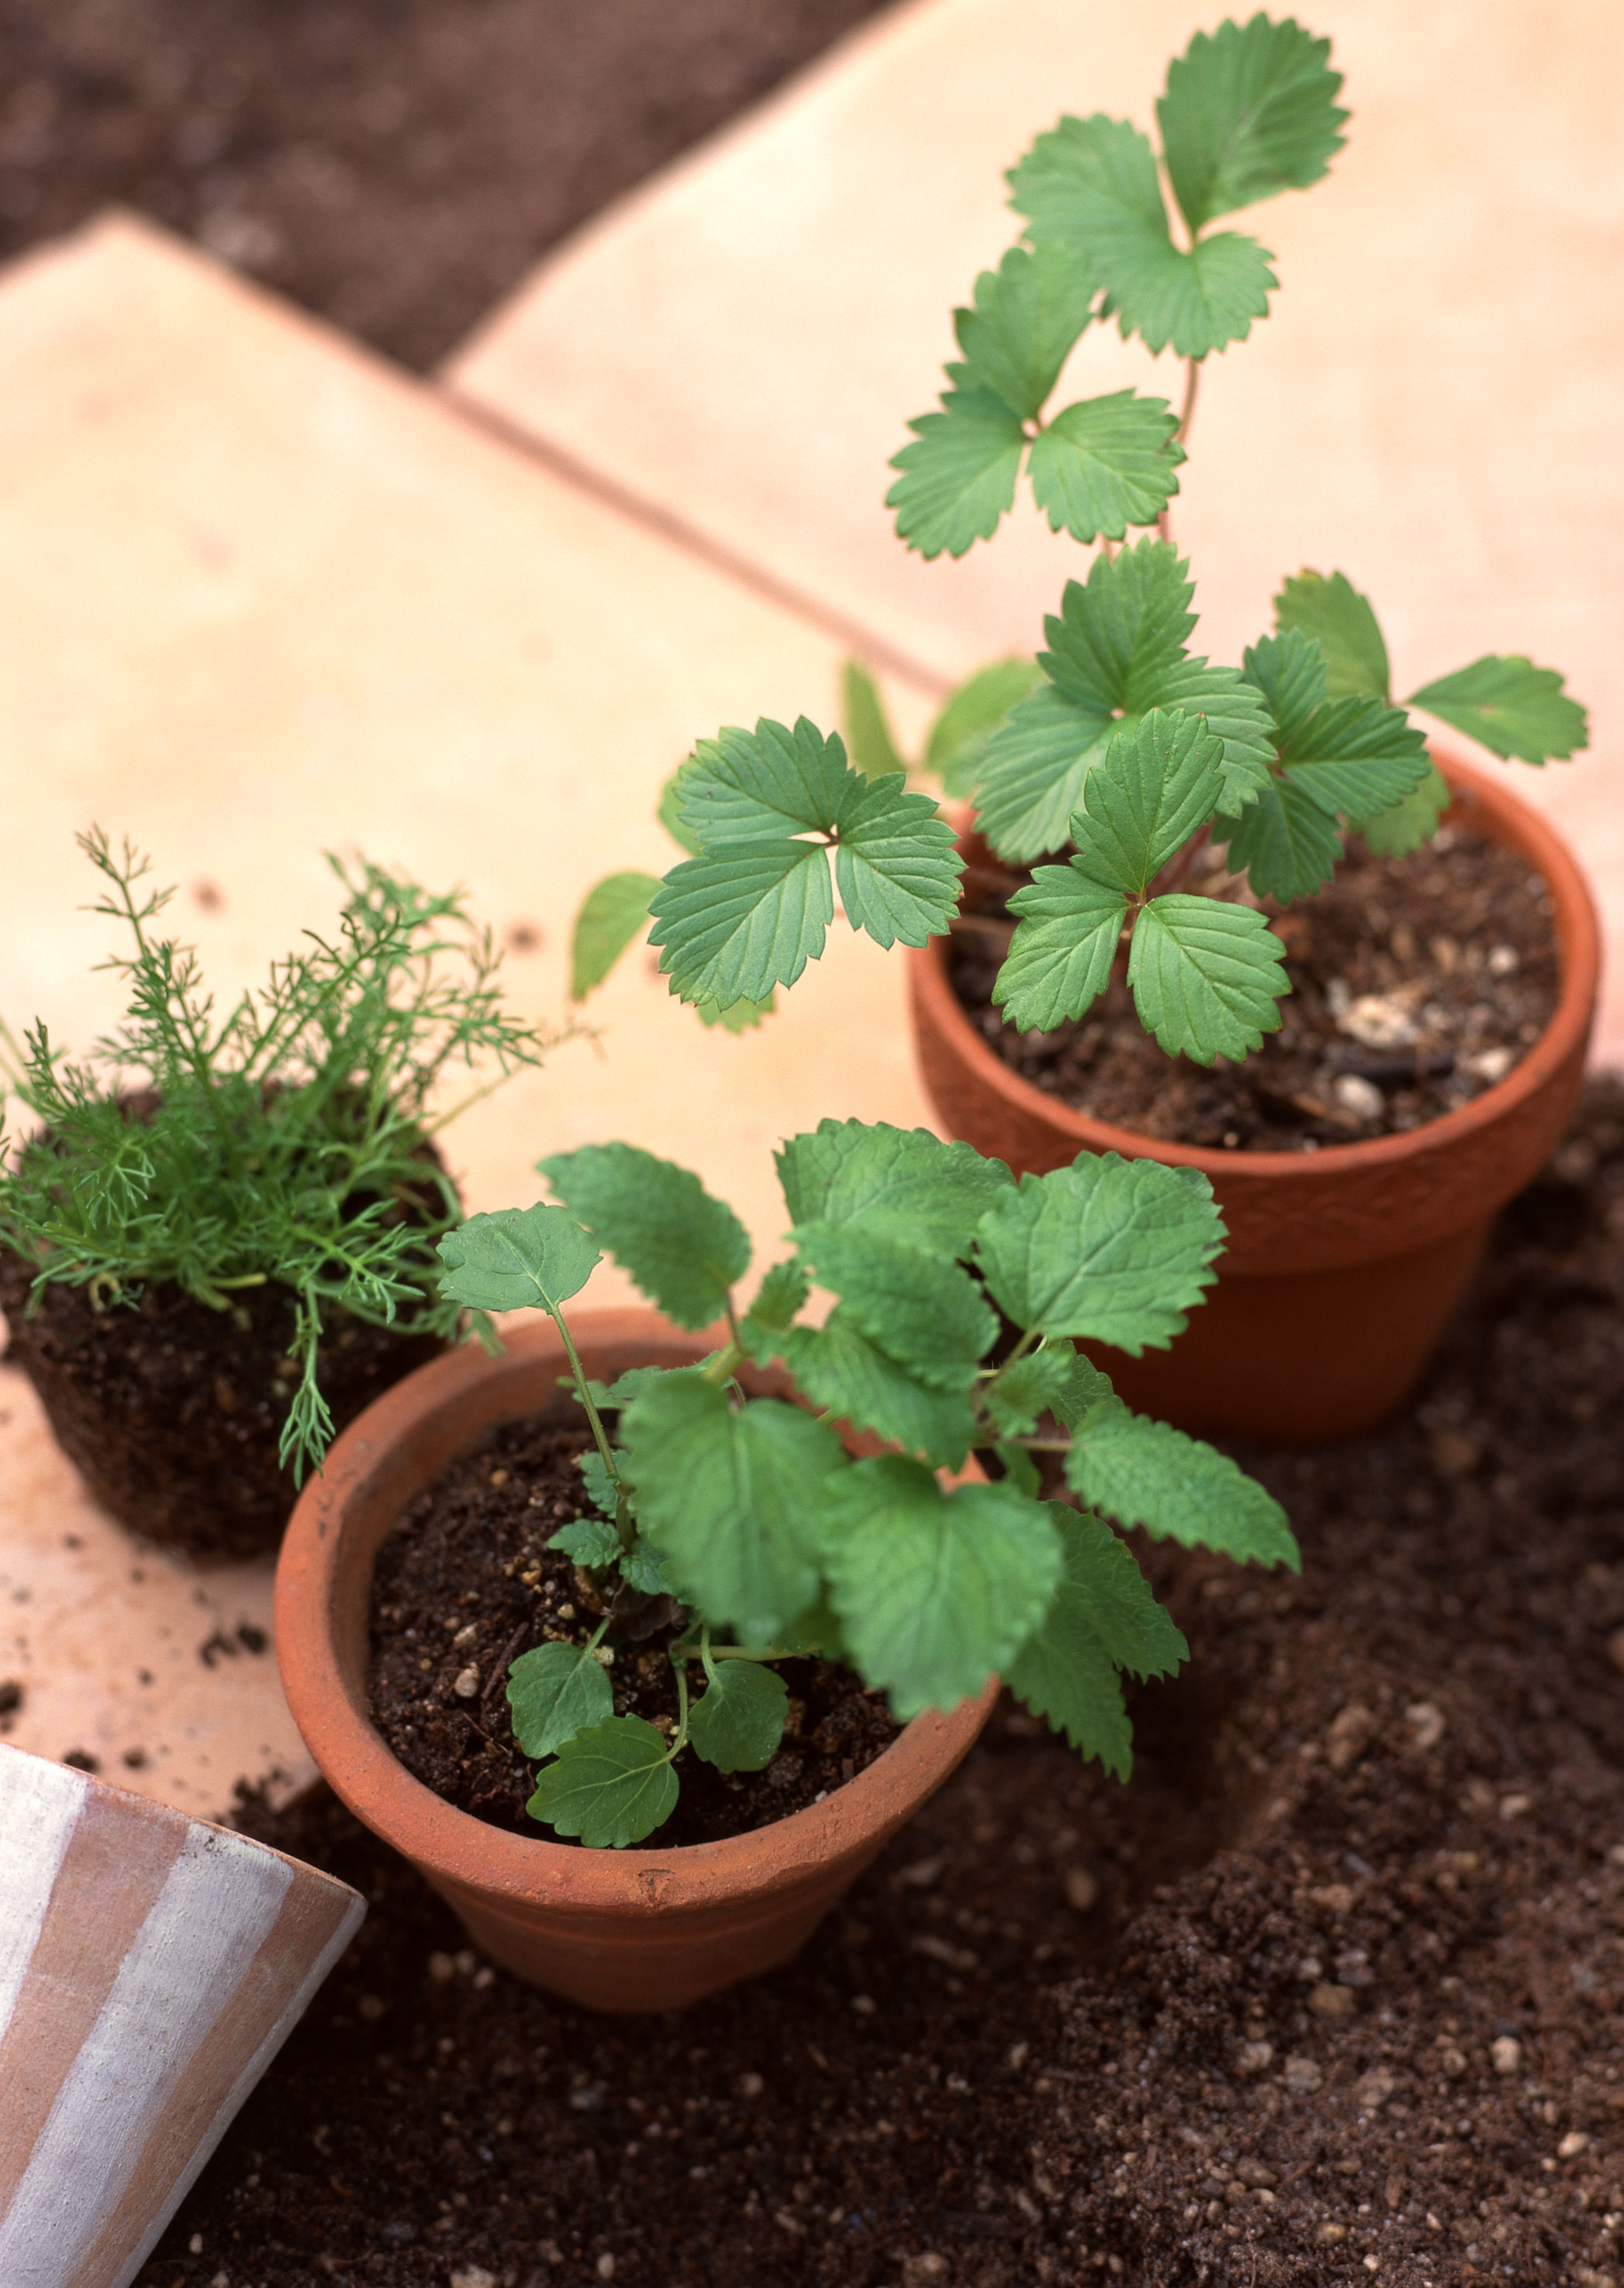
column 959, row 1301
column 1176, row 798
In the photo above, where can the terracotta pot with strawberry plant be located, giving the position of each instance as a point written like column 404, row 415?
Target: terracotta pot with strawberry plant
column 1235, row 918
column 218, row 1245
column 641, row 1638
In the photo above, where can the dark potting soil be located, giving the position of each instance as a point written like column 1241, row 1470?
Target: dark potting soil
column 1331, row 1991
column 395, row 164
column 171, row 1410
column 1416, row 983
column 465, row 1582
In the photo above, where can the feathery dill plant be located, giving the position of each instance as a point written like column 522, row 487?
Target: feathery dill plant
column 288, row 1141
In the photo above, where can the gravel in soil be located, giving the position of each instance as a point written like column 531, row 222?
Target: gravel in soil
column 171, row 1412
column 465, row 1583
column 397, row 165
column 1416, row 983
column 1333, row 1990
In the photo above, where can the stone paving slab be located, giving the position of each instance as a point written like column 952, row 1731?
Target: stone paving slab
column 259, row 595
column 1430, row 408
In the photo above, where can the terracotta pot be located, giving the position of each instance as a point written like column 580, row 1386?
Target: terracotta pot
column 151, row 1966
column 1342, row 1265
column 649, row 1928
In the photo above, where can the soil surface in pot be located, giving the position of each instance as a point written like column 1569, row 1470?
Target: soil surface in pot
column 465, row 1582
column 171, row 1412
column 1416, row 983
column 1337, row 1976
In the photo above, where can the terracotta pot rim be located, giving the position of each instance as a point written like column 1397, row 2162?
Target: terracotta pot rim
column 1578, row 936
column 451, row 1845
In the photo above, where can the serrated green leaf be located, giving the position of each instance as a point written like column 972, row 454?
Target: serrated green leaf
column 902, row 1180
column 1511, row 707
column 958, row 476
column 1091, row 185
column 555, row 1692
column 1032, row 1386
column 1153, row 786
column 736, row 1016
column 780, row 1296
column 1027, row 314
column 895, row 864
column 1106, row 463
column 919, row 1307
column 600, row 1487
column 1285, row 845
column 1395, row 833
column 735, row 923
column 842, row 1373
column 732, row 1501
column 959, row 736
column 516, row 1259
column 613, row 913
column 1289, row 671
column 1108, row 1250
column 685, row 1248
column 625, row 1386
column 755, row 787
column 1342, row 623
column 1032, row 772
column 611, row 1786
column 1249, row 110
column 590, row 1542
column 739, row 1720
column 642, row 1568
column 1200, row 301
column 870, row 747
column 1086, row 1390
column 1104, row 1618
column 1059, row 959
column 1118, row 633
column 1207, row 978
column 1019, row 1470
column 670, row 810
column 935, row 1592
column 1144, row 1473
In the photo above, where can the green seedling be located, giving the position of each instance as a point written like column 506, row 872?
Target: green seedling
column 960, row 1300
column 1181, row 801
column 287, row 1142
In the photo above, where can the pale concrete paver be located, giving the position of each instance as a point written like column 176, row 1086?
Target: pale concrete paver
column 1430, row 408
column 259, row 595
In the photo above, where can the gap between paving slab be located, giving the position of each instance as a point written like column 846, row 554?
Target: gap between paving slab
column 737, row 345
column 260, row 594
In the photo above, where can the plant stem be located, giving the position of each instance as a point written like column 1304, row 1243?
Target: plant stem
column 679, row 1740
column 725, row 1364
column 1187, row 411
column 585, row 1396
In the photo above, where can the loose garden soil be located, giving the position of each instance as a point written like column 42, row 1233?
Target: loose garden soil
column 465, row 1583
column 1416, row 983
column 1332, row 1991
column 171, row 1410
column 396, row 165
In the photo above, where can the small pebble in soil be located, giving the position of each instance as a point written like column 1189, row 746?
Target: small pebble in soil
column 1506, row 2054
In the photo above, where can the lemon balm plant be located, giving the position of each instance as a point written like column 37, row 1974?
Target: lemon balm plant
column 254, row 1195
column 959, row 1299
column 1178, row 799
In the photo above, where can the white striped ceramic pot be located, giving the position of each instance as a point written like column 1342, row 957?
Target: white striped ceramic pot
column 151, row 1966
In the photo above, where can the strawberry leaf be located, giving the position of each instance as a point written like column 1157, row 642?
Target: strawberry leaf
column 1106, row 463
column 1511, row 707
column 958, row 476
column 1207, row 978
column 1249, row 110
column 612, row 913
